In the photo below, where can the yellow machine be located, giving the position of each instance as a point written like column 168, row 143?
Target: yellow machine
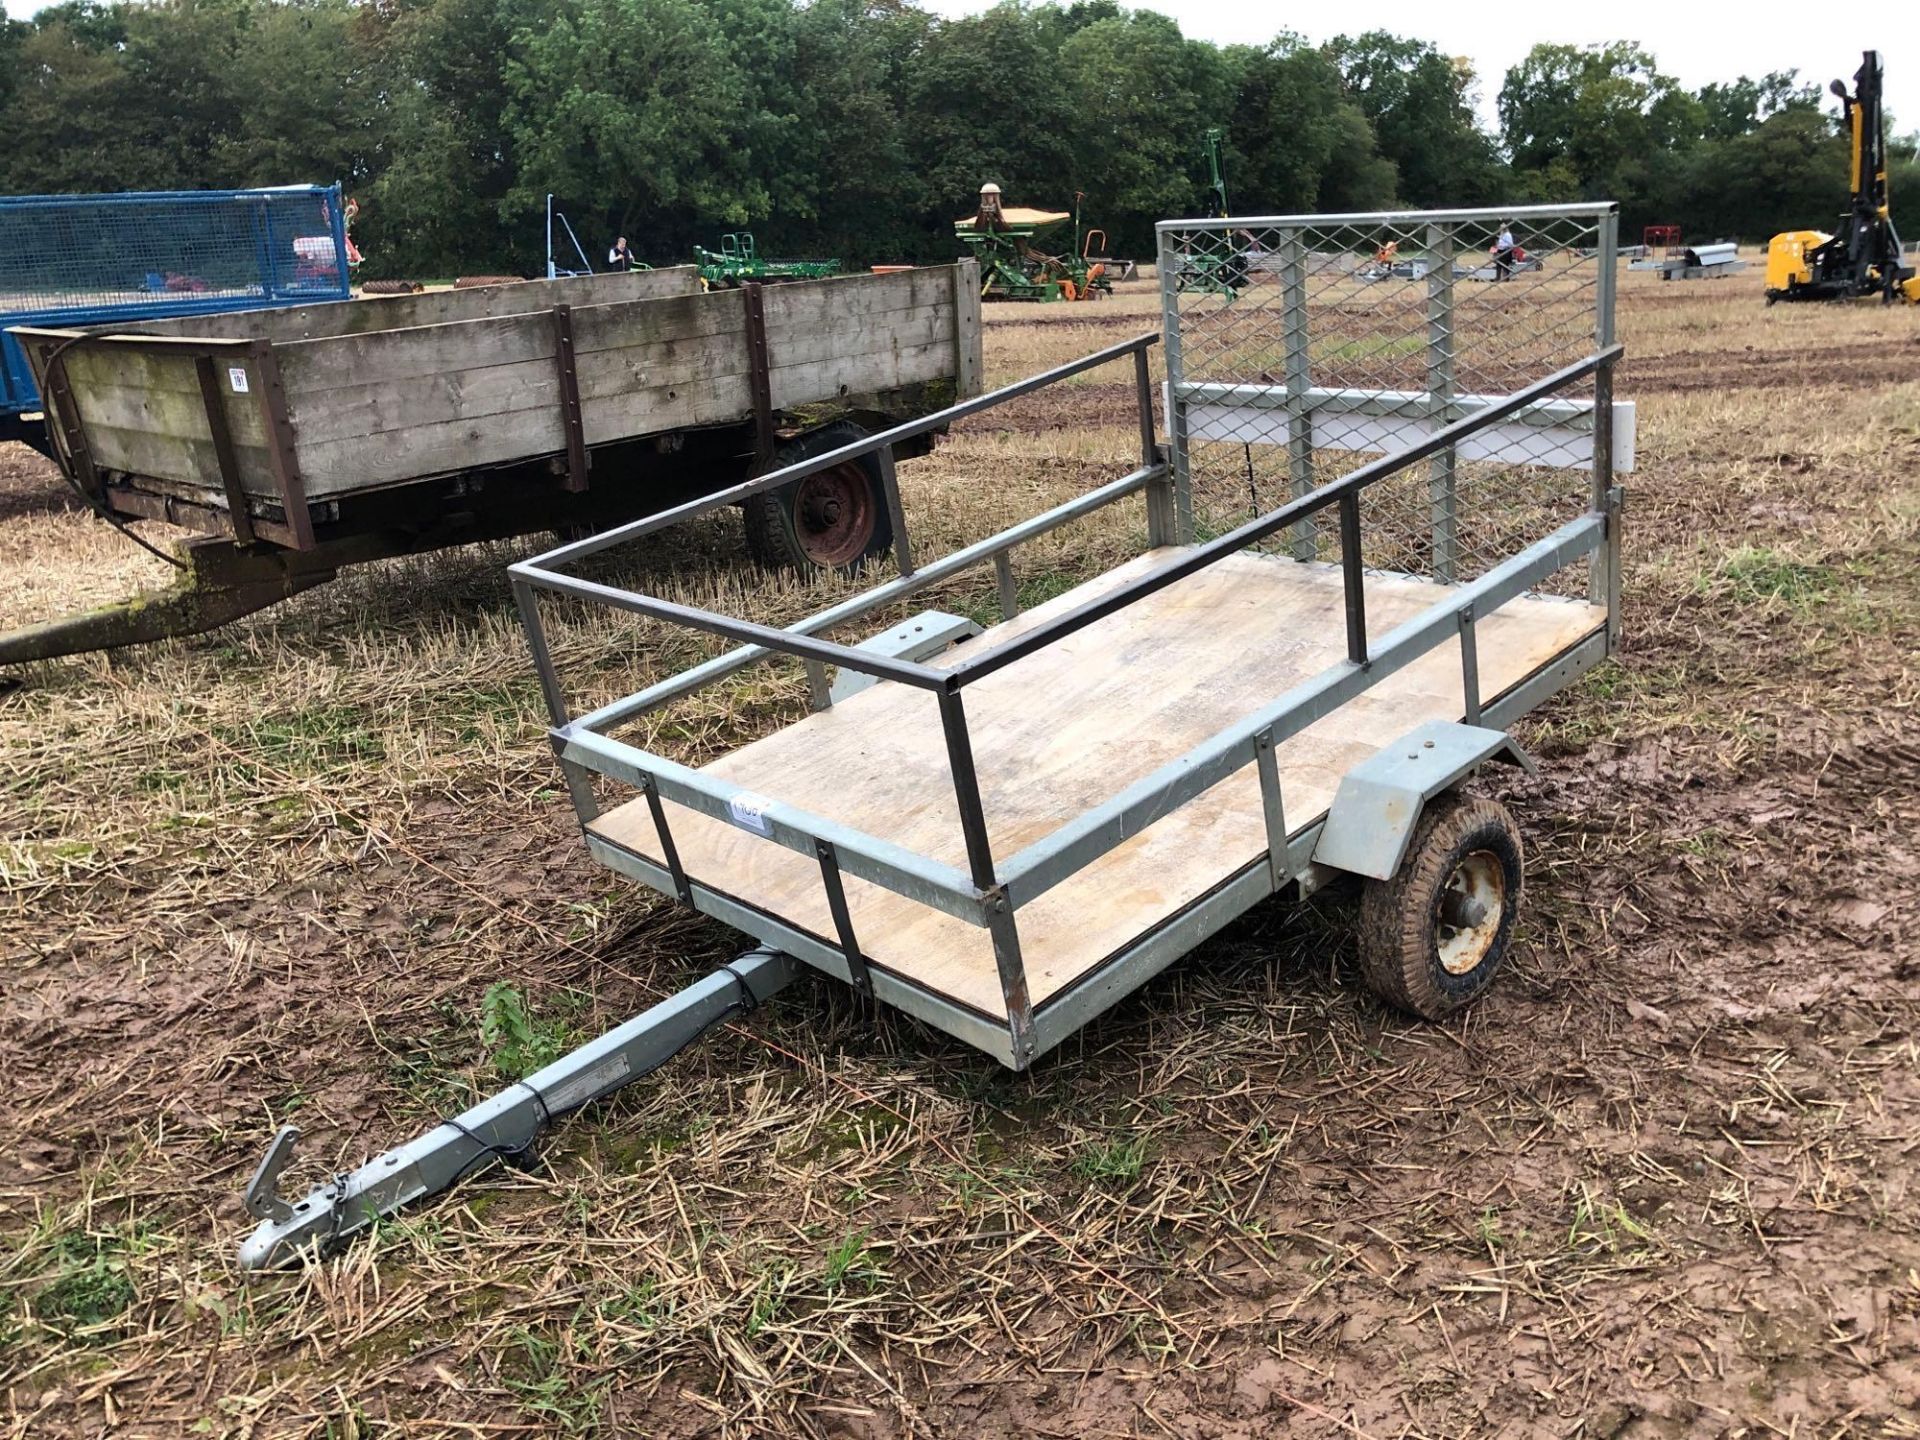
column 1864, row 259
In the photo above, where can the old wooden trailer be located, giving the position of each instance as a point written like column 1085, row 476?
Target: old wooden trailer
column 1383, row 525
column 299, row 441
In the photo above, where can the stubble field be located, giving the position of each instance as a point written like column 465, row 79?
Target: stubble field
column 1660, row 1182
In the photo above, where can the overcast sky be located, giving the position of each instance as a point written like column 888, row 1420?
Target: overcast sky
column 1695, row 43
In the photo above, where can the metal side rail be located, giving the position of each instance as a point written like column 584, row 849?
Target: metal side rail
column 502, row 1127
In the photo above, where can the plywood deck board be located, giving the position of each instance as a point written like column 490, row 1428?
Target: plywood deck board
column 1075, row 724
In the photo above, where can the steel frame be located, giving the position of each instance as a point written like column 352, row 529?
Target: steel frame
column 990, row 891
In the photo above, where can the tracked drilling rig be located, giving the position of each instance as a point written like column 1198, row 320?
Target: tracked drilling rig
column 1864, row 258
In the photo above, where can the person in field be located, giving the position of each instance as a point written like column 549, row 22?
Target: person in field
column 1503, row 254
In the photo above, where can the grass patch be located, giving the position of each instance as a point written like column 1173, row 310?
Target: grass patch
column 486, row 712
column 983, row 607
column 1366, row 347
column 517, row 1042
column 91, row 1289
column 307, row 742
column 851, row 1262
column 1601, row 1227
column 640, row 1305
column 1756, row 574
column 548, row 1388
column 770, row 1296
column 1635, row 699
column 1116, row 1161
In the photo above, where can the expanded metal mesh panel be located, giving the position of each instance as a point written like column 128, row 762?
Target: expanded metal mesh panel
column 68, row 253
column 1300, row 348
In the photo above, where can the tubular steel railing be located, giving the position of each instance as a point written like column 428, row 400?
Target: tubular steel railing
column 989, row 891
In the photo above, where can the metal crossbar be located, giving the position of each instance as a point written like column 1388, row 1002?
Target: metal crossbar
column 827, row 460
column 1079, row 843
column 543, row 572
column 993, row 547
column 1343, row 492
column 1444, row 428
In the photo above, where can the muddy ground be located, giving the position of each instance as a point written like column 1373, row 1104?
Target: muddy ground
column 1660, row 1182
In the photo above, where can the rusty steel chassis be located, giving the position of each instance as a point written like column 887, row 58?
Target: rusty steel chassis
column 243, row 561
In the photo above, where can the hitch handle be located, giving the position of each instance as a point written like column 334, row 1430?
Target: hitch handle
column 263, row 1191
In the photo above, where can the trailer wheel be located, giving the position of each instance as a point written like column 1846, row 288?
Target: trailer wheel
column 1434, row 936
column 831, row 521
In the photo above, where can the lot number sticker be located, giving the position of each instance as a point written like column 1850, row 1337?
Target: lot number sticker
column 749, row 812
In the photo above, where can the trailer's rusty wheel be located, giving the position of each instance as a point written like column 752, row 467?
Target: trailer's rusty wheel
column 1434, row 936
column 833, row 520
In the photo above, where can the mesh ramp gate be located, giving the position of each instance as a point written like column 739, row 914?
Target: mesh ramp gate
column 1297, row 347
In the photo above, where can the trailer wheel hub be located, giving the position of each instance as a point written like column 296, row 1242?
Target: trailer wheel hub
column 1471, row 909
column 834, row 515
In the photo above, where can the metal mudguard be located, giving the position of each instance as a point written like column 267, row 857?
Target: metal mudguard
column 1379, row 801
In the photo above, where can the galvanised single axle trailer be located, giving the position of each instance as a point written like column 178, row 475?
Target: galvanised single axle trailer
column 300, row 441
column 1381, row 526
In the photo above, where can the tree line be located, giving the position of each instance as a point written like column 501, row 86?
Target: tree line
column 862, row 128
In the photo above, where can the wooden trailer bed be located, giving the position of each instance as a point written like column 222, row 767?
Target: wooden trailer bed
column 301, row 441
column 332, row 401
column 1073, row 725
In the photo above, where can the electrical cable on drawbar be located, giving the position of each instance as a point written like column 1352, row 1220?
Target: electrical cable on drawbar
column 748, row 1001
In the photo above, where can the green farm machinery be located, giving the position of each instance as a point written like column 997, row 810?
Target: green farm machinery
column 738, row 260
column 1012, row 267
column 1227, row 269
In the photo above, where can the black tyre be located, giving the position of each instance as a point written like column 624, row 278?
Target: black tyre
column 1434, row 936
column 835, row 520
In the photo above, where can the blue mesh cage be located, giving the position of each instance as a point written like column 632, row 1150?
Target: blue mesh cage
column 93, row 259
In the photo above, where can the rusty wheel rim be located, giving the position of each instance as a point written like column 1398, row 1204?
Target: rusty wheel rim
column 1472, row 906
column 833, row 515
